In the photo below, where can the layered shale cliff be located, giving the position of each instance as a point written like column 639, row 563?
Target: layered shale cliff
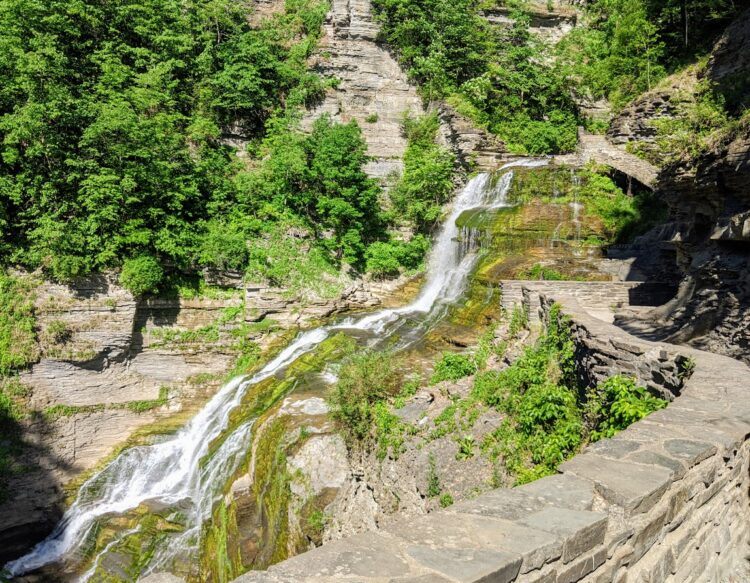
column 709, row 200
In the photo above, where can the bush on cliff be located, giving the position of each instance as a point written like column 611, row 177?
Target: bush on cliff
column 617, row 403
column 141, row 275
column 427, row 181
column 364, row 381
column 18, row 346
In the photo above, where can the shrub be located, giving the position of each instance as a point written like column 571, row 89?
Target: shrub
column 58, row 332
column 617, row 403
column 519, row 320
column 364, row 381
column 427, row 180
column 539, row 271
column 452, row 367
column 224, row 246
column 18, row 346
column 141, row 275
column 383, row 260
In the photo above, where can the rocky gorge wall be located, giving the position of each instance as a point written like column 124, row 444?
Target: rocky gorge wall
column 664, row 500
column 111, row 367
column 708, row 195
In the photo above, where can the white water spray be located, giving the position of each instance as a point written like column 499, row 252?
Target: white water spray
column 171, row 473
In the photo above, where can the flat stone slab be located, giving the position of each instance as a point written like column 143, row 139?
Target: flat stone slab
column 468, row 565
column 366, row 555
column 634, row 487
column 652, row 458
column 613, row 448
column 563, row 490
column 580, row 530
column 509, row 504
column 443, row 531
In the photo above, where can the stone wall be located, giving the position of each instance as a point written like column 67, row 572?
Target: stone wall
column 601, row 296
column 665, row 500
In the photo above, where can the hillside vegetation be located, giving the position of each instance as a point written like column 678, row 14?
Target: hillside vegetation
column 120, row 121
column 113, row 117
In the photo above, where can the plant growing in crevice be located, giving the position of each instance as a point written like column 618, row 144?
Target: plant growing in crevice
column 617, row 403
column 433, row 481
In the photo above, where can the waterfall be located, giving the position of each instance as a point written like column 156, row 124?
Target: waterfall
column 175, row 472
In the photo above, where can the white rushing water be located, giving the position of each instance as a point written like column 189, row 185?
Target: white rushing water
column 173, row 472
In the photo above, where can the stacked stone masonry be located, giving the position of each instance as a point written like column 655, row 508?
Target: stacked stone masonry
column 665, row 500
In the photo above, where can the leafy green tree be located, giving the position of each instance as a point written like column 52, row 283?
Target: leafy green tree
column 427, row 180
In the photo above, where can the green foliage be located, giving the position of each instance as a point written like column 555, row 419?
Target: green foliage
column 629, row 45
column 689, row 133
column 427, row 181
column 537, row 392
column 18, row 346
column 502, row 77
column 365, row 381
column 519, row 320
column 453, row 366
column 149, row 405
column 390, row 258
column 465, row 447
column 686, row 368
column 621, row 215
column 433, row 481
column 446, row 500
column 114, row 153
column 141, row 275
column 548, row 416
column 617, row 403
column 539, row 271
column 317, row 521
column 12, row 412
column 58, row 332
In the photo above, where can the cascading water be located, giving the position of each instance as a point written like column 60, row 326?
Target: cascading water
column 176, row 471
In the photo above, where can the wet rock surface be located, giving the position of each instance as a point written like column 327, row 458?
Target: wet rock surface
column 661, row 501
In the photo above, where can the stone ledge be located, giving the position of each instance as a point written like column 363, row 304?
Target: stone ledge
column 664, row 500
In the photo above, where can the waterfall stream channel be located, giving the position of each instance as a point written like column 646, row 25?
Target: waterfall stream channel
column 186, row 473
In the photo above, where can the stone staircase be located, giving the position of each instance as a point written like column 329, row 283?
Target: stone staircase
column 598, row 297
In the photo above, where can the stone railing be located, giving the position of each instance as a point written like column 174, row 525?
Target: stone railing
column 595, row 295
column 664, row 500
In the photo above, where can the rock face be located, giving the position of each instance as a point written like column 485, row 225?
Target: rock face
column 664, row 500
column 550, row 21
column 709, row 201
column 290, row 310
column 110, row 365
column 473, row 147
column 105, row 370
column 373, row 90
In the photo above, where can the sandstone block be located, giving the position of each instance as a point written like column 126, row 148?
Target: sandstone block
column 582, row 567
column 634, row 487
column 442, row 531
column 580, row 530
